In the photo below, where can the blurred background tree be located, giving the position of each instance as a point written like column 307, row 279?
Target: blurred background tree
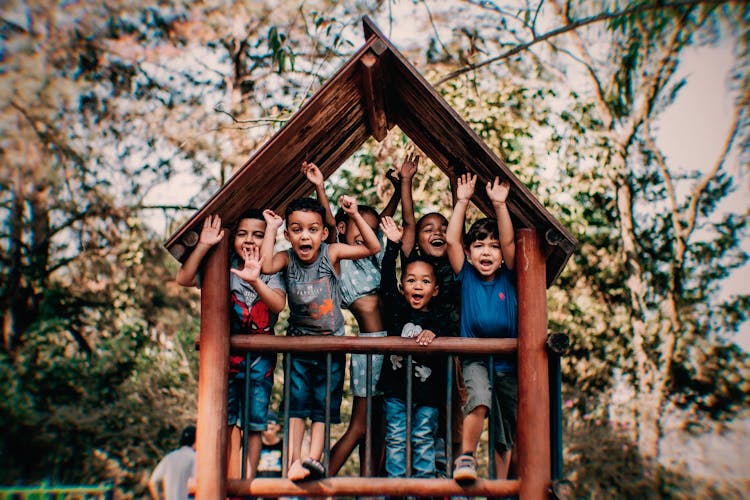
column 108, row 111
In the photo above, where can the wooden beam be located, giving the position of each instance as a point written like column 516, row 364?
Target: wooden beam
column 533, row 429
column 374, row 345
column 369, row 486
column 372, row 90
column 211, row 438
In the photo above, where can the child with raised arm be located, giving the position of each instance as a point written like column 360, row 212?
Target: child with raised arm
column 359, row 284
column 484, row 265
column 411, row 315
column 257, row 300
column 425, row 239
column 312, row 277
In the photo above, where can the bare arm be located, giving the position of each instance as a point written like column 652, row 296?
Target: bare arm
column 271, row 263
column 153, row 490
column 274, row 298
column 339, row 251
column 408, row 170
column 498, row 192
column 211, row 234
column 390, row 208
column 464, row 192
column 315, row 176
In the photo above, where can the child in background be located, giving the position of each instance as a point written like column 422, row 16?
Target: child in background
column 270, row 454
column 257, row 299
column 411, row 316
column 359, row 284
column 312, row 278
column 489, row 310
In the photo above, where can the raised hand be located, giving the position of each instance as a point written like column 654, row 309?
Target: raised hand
column 394, row 176
column 273, row 221
column 498, row 191
column 313, row 173
column 211, row 233
column 391, row 230
column 465, row 187
column 410, row 166
column 253, row 261
column 349, row 204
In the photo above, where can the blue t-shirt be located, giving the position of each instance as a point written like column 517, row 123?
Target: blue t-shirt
column 489, row 309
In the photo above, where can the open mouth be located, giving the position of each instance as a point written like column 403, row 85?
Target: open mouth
column 416, row 299
column 437, row 242
column 304, row 249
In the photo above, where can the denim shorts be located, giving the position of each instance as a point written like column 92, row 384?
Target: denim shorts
column 502, row 399
column 307, row 394
column 261, row 383
column 358, row 370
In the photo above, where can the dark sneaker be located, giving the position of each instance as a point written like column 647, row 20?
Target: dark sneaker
column 465, row 470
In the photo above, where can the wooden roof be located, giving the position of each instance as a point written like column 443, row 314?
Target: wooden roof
column 372, row 92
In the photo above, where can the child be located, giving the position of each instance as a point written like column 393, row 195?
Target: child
column 425, row 239
column 270, row 454
column 312, row 272
column 411, row 316
column 359, row 284
column 257, row 300
column 489, row 309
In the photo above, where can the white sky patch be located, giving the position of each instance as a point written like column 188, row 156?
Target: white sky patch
column 692, row 133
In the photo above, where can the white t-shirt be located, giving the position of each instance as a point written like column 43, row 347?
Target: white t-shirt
column 174, row 470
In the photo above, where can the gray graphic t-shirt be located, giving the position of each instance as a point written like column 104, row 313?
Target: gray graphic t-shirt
column 314, row 296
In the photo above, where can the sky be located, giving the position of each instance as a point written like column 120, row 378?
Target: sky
column 692, row 133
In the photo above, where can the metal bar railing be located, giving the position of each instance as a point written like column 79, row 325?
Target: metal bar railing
column 372, row 345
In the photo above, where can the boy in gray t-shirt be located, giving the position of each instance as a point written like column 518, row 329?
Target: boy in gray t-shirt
column 312, row 272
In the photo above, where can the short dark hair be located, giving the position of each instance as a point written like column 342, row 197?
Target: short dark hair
column 305, row 205
column 481, row 229
column 187, row 438
column 252, row 213
column 418, row 259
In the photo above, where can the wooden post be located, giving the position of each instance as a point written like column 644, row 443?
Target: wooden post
column 213, row 376
column 533, row 445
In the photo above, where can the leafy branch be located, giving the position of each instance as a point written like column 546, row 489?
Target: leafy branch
column 574, row 25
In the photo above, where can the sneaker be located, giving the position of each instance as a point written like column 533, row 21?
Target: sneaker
column 465, row 469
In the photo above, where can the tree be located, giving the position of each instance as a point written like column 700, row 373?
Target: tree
column 656, row 242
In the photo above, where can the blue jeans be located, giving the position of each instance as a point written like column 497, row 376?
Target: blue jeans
column 307, row 394
column 424, row 423
column 261, row 384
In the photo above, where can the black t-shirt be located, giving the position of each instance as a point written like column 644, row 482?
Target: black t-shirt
column 428, row 371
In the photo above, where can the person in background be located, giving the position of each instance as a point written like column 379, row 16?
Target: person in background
column 169, row 480
column 271, row 449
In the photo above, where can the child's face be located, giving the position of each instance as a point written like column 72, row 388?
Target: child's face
column 486, row 256
column 352, row 234
column 249, row 234
column 431, row 235
column 419, row 284
column 305, row 231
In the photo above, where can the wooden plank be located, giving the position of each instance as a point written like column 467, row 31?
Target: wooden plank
column 534, row 456
column 372, row 90
column 373, row 345
column 211, row 436
column 366, row 486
